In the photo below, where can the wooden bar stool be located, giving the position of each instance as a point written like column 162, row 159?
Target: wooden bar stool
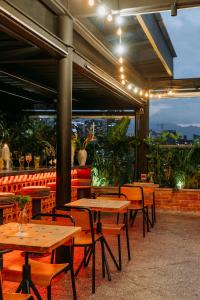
column 37, row 194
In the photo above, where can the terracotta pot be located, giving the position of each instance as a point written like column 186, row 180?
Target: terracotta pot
column 82, row 157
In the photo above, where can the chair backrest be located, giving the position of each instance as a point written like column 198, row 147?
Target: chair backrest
column 53, row 219
column 82, row 216
column 133, row 193
column 111, row 196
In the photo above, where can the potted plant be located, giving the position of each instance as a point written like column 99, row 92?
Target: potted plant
column 82, row 144
column 22, row 201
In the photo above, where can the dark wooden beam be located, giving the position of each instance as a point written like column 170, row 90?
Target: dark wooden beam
column 153, row 32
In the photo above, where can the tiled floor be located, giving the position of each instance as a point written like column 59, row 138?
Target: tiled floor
column 164, row 265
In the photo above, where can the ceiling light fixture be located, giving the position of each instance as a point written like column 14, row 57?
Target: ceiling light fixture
column 141, row 93
column 129, row 86
column 123, row 82
column 119, row 20
column 121, row 69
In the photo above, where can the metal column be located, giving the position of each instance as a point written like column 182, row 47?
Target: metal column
column 64, row 115
column 141, row 132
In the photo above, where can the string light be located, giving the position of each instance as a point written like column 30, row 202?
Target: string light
column 119, row 20
column 91, row 2
column 170, row 92
column 120, row 49
column 123, row 82
column 122, row 76
column 121, row 69
column 102, row 10
column 109, row 17
column 135, row 90
column 119, row 31
column 129, row 87
column 141, row 93
column 146, row 94
column 121, row 60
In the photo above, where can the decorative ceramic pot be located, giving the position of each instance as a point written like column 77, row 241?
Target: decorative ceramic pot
column 82, row 157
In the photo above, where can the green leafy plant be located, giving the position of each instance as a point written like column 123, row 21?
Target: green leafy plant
column 21, row 200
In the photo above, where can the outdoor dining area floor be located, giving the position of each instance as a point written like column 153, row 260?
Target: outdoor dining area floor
column 164, row 265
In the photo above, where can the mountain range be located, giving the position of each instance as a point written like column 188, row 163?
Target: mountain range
column 189, row 131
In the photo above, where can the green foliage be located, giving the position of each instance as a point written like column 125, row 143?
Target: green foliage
column 169, row 164
column 113, row 162
column 21, row 200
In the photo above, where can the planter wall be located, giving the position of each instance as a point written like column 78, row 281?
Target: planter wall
column 186, row 200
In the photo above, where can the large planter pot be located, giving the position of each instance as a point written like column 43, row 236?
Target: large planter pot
column 82, row 157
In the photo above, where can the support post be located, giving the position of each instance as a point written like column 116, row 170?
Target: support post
column 141, row 132
column 64, row 114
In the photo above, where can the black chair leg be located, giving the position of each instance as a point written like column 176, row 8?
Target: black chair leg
column 118, row 218
column 49, row 292
column 144, row 221
column 127, row 242
column 93, row 269
column 119, row 252
column 147, row 218
column 103, row 259
column 133, row 217
column 73, row 282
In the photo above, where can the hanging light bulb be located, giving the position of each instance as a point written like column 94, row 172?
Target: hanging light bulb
column 170, row 92
column 102, row 10
column 129, row 86
column 119, row 20
column 121, row 60
column 146, row 94
column 120, row 49
column 135, row 90
column 121, row 69
column 123, row 82
column 91, row 2
column 109, row 17
column 122, row 76
column 141, row 93
column 150, row 96
column 119, row 31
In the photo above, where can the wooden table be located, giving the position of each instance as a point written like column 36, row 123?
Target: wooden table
column 103, row 205
column 37, row 238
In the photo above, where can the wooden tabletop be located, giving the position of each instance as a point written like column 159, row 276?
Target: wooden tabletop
column 38, row 237
column 106, row 205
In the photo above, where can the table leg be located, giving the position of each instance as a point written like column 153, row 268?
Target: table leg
column 99, row 230
column 27, row 283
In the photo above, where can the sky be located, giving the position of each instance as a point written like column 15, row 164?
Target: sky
column 184, row 31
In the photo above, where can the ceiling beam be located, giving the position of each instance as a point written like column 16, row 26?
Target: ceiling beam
column 130, row 7
column 186, row 83
column 157, row 41
column 30, row 30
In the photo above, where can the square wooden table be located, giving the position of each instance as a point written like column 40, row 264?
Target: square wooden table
column 39, row 238
column 103, row 205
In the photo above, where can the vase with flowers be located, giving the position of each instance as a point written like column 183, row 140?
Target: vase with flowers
column 82, row 144
column 22, row 201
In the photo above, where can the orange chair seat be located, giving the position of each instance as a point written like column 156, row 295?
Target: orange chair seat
column 41, row 273
column 16, row 297
column 84, row 238
column 113, row 229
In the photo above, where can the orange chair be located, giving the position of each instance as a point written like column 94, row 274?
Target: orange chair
column 42, row 273
column 116, row 229
column 87, row 239
column 136, row 196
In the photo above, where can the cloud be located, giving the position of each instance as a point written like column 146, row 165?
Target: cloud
column 184, row 32
column 188, row 125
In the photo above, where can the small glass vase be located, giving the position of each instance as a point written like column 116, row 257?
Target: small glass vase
column 22, row 220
